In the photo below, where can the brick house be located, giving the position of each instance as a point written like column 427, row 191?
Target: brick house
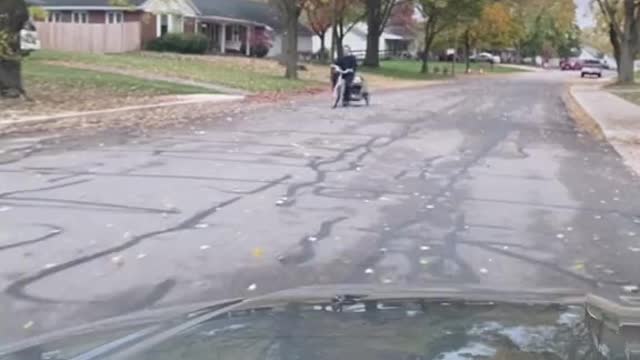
column 110, row 26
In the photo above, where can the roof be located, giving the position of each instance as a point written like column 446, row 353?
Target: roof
column 253, row 10
column 401, row 31
column 91, row 3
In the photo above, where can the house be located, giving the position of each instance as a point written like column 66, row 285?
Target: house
column 394, row 41
column 108, row 26
column 242, row 17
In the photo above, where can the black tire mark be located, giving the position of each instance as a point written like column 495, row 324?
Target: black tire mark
column 305, row 251
column 52, row 187
column 17, row 288
column 55, row 231
column 97, row 204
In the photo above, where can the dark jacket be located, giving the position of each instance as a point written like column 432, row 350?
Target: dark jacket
column 348, row 62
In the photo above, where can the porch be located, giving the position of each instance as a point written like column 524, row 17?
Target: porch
column 227, row 37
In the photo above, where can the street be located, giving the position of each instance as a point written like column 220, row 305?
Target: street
column 482, row 181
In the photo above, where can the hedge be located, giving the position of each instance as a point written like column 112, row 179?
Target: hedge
column 184, row 43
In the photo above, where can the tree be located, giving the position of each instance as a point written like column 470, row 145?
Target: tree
column 13, row 15
column 440, row 14
column 347, row 14
column 542, row 24
column 378, row 13
column 319, row 18
column 290, row 10
column 623, row 21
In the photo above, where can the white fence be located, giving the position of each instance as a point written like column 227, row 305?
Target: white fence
column 93, row 38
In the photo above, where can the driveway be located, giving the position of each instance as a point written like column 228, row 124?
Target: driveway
column 484, row 181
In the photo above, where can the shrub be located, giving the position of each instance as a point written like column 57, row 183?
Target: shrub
column 445, row 70
column 259, row 50
column 184, row 43
column 436, row 69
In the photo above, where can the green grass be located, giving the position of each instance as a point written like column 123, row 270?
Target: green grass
column 410, row 69
column 36, row 72
column 229, row 73
column 628, row 92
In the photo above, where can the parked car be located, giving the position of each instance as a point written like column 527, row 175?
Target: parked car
column 485, row 57
column 591, row 68
column 570, row 64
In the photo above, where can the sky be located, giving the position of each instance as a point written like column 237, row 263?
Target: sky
column 583, row 13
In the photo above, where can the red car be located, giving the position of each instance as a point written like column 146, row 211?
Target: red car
column 571, row 64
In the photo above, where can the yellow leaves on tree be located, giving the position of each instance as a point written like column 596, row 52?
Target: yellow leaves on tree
column 496, row 27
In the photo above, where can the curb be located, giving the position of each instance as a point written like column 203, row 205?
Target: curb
column 580, row 116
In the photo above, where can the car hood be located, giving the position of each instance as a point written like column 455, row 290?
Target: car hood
column 478, row 318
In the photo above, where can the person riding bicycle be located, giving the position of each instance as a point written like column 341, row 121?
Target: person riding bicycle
column 345, row 62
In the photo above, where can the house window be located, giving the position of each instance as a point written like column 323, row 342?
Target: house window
column 80, row 17
column 54, row 16
column 164, row 24
column 115, row 17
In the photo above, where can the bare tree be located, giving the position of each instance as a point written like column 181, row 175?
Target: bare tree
column 13, row 15
column 290, row 11
column 623, row 19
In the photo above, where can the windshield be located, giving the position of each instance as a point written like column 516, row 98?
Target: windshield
column 171, row 154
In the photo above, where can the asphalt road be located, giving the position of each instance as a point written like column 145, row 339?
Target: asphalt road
column 484, row 181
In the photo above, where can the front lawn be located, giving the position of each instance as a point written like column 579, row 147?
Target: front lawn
column 628, row 92
column 237, row 72
column 410, row 69
column 38, row 74
column 58, row 89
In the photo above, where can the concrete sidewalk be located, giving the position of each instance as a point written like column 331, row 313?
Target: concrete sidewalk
column 618, row 119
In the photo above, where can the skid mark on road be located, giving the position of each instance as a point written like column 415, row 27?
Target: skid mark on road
column 304, row 250
column 17, row 289
column 53, row 232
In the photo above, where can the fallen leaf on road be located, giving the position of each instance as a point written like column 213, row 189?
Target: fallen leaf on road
column 204, row 247
column 384, row 250
column 424, row 261
column 141, row 256
column 257, row 252
column 578, row 266
column 202, row 226
column 312, row 239
column 49, row 266
column 368, row 271
column 4, row 208
column 28, row 325
column 560, row 236
column 252, row 287
column 425, row 248
column 634, row 249
column 484, row 271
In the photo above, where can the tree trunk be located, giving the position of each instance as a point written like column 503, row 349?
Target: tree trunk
column 291, row 40
column 615, row 43
column 10, row 78
column 626, row 73
column 13, row 15
column 372, row 56
column 339, row 39
column 323, row 46
column 427, row 46
column 467, row 50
